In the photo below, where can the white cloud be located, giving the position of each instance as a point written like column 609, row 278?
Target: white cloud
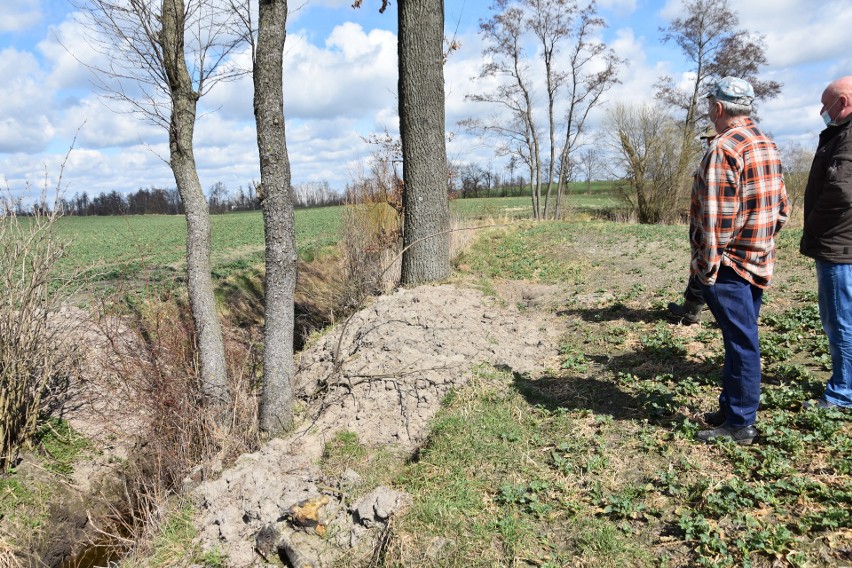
column 354, row 74
column 18, row 15
column 25, row 104
column 66, row 52
column 798, row 32
column 618, row 6
column 340, row 84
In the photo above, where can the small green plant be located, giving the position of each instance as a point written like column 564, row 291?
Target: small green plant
column 626, row 504
column 62, row 445
column 342, row 451
column 663, row 345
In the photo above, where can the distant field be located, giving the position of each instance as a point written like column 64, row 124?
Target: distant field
column 153, row 246
column 581, row 196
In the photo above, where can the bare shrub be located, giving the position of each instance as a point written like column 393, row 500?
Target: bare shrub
column 319, row 293
column 463, row 230
column 797, row 165
column 154, row 362
column 37, row 357
column 372, row 224
column 647, row 145
column 9, row 555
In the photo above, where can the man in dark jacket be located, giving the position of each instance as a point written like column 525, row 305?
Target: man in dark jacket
column 689, row 312
column 827, row 237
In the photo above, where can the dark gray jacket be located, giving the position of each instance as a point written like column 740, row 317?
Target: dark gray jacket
column 828, row 198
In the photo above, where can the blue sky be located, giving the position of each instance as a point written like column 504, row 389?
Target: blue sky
column 340, row 83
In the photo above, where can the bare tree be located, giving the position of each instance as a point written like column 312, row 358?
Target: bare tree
column 566, row 38
column 585, row 86
column 711, row 40
column 550, row 22
column 591, row 160
column 218, row 198
column 797, row 161
column 276, row 199
column 162, row 56
column 506, row 60
column 426, row 252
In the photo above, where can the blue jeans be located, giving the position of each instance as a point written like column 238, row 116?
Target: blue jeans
column 735, row 303
column 835, row 310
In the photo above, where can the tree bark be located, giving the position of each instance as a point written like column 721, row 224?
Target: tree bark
column 424, row 152
column 275, row 193
column 211, row 349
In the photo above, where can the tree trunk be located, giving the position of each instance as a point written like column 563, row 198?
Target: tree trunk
column 211, row 350
column 424, row 153
column 275, row 193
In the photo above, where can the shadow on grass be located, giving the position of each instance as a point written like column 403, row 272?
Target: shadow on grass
column 646, row 383
column 579, row 393
column 619, row 311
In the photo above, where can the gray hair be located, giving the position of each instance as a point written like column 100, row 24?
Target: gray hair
column 734, row 109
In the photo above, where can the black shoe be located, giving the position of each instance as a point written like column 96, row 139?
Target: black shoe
column 744, row 435
column 819, row 403
column 688, row 313
column 715, row 418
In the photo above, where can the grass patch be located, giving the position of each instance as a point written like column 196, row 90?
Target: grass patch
column 26, row 493
column 153, row 247
column 174, row 544
column 596, row 463
column 502, row 482
column 62, row 446
column 373, row 466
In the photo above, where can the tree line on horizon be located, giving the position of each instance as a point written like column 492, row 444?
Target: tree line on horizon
column 465, row 181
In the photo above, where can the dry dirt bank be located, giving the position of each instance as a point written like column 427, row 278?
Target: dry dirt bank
column 381, row 376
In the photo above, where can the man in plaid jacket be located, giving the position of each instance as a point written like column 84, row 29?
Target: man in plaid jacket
column 739, row 203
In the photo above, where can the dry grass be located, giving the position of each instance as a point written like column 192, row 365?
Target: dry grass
column 155, row 373
column 8, row 556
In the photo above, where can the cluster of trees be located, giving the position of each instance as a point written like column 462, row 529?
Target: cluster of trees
column 473, row 180
column 571, row 66
column 551, row 69
column 161, row 201
column 655, row 144
column 142, row 202
column 162, row 56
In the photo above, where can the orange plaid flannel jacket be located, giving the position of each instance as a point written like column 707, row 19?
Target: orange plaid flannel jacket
column 738, row 205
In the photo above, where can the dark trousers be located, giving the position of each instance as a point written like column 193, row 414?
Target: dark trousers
column 694, row 292
column 735, row 303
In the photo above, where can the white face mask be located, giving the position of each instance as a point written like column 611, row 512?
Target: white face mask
column 827, row 117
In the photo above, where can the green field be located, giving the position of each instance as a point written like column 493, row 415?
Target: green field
column 153, row 247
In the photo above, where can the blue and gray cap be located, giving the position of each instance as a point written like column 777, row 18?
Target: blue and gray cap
column 733, row 90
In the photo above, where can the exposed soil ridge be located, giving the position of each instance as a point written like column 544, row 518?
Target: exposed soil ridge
column 384, row 381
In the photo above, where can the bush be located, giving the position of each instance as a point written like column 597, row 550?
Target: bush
column 152, row 367
column 372, row 224
column 37, row 358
